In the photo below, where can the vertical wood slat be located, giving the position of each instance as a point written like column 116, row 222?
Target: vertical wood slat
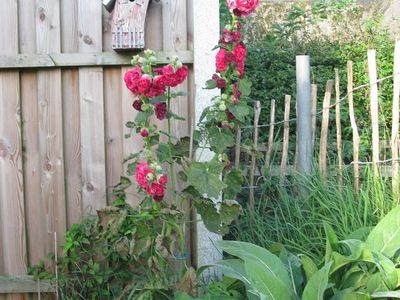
column 285, row 147
column 324, row 129
column 12, row 208
column 91, row 109
column 338, row 127
column 395, row 121
column 356, row 137
column 71, row 112
column 314, row 99
column 53, row 213
column 270, row 134
column 374, row 108
column 257, row 113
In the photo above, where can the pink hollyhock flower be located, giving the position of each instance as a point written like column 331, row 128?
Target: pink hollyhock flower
column 137, row 104
column 160, row 109
column 163, row 180
column 144, row 84
column 240, row 53
column 220, row 58
column 159, row 82
column 131, row 78
column 243, row 7
column 142, row 170
column 181, row 74
column 154, row 92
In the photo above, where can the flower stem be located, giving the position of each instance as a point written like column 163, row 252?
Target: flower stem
column 171, row 161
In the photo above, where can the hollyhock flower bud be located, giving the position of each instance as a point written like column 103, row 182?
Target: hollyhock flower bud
column 144, row 132
column 224, row 96
column 243, row 7
column 145, row 107
column 229, row 115
column 158, row 168
column 150, row 176
column 137, row 104
column 222, row 106
column 160, row 109
column 144, row 84
column 163, row 179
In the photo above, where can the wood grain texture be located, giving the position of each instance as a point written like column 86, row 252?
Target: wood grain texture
column 257, row 113
column 323, row 146
column 12, row 207
column 91, row 109
column 53, row 211
column 271, row 133
column 374, row 108
column 314, row 99
column 114, row 128
column 154, row 26
column 71, row 112
column 24, row 284
column 395, row 121
column 338, row 127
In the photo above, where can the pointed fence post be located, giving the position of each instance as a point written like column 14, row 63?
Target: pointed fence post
column 304, row 128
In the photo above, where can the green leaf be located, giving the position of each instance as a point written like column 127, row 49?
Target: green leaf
column 244, row 86
column 265, row 271
column 390, row 294
column 331, row 241
column 309, row 267
column 172, row 115
column 163, row 152
column 205, row 177
column 294, row 267
column 210, row 84
column 220, row 139
column 317, row 285
column 360, row 234
column 230, row 210
column 142, row 117
column 349, row 294
column 240, row 111
column 385, row 237
column 233, row 180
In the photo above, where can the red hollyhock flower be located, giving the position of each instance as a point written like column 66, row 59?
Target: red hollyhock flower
column 181, row 74
column 243, row 7
column 240, row 53
column 220, row 82
column 144, row 132
column 137, row 104
column 142, row 170
column 160, row 109
column 236, row 93
column 153, row 188
column 229, row 37
column 144, row 84
column 159, row 82
column 131, row 78
column 163, row 180
column 229, row 115
column 220, row 58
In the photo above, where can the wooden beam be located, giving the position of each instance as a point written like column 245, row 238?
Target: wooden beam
column 59, row 60
column 24, row 284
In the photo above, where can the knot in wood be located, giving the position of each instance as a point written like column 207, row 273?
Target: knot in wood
column 4, row 149
column 89, row 187
column 48, row 166
column 87, row 40
column 42, row 14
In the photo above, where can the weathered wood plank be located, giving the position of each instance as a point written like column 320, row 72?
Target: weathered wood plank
column 12, row 207
column 285, row 149
column 323, row 147
column 92, row 109
column 60, row 60
column 24, row 284
column 338, row 126
column 257, row 113
column 114, row 128
column 395, row 121
column 270, row 134
column 52, row 216
column 154, row 26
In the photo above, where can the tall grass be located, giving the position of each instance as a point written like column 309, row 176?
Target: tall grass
column 294, row 215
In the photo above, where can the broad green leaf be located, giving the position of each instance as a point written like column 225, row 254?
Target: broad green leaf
column 349, row 294
column 294, row 267
column 387, row 268
column 309, row 267
column 142, row 117
column 265, row 270
column 163, row 152
column 210, row 84
column 220, row 139
column 317, row 285
column 233, row 268
column 205, row 177
column 390, row 294
column 240, row 111
column 331, row 241
column 233, row 180
column 360, row 234
column 244, row 86
column 230, row 210
column 385, row 237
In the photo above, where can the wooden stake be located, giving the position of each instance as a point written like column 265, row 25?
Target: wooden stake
column 271, row 134
column 339, row 127
column 237, row 147
column 314, row 98
column 323, row 146
column 374, row 108
column 356, row 137
column 285, row 149
column 395, row 121
column 257, row 112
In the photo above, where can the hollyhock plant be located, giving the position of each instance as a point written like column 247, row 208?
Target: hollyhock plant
column 148, row 180
column 243, row 8
column 160, row 109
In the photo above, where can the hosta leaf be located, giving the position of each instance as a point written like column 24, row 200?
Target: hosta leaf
column 317, row 285
column 385, row 237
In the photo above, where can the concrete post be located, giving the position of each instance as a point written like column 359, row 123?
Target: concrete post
column 205, row 37
column 304, row 127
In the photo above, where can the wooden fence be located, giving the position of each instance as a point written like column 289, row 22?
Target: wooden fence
column 385, row 167
column 63, row 106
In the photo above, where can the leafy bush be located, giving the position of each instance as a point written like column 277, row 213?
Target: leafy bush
column 363, row 266
column 286, row 217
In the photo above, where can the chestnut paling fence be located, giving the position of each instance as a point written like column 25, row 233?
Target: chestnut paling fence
column 63, row 107
column 384, row 153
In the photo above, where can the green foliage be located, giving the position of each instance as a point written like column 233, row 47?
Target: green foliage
column 285, row 216
column 120, row 252
column 354, row 269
